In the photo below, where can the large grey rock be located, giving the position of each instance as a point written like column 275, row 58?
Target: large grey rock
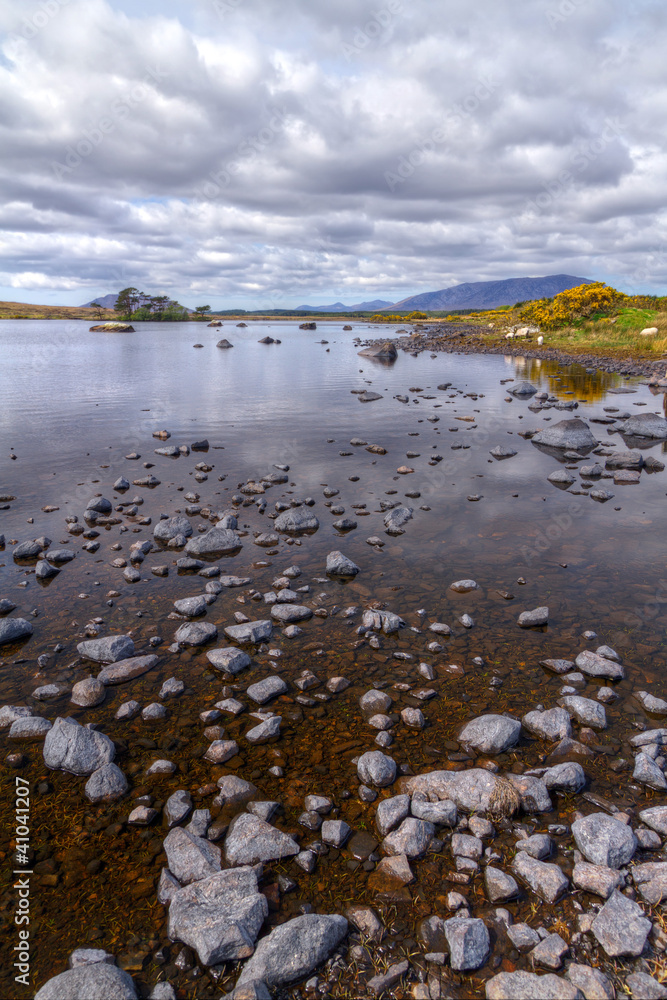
column 396, row 518
column 410, row 839
column 294, row 949
column 12, row 629
column 621, row 927
column 626, row 460
column 391, row 812
column 29, row 549
column 107, row 649
column 177, row 807
column 228, row 659
column 106, row 784
column 645, row 987
column 32, row 727
column 191, row 606
column 88, row 692
column 595, row 665
column 265, row 731
column 468, row 940
column 270, row 687
column 553, row 724
column 597, row 879
column 89, row 982
column 374, row 701
column 567, row 777
column 603, row 840
column 528, row 986
column 585, row 710
column 593, row 984
column 44, row 570
column 472, row 790
column 533, row 793
column 250, row 632
column 490, row 733
column 164, row 531
column 523, row 388
column 499, row 885
column 534, row 618
column 385, row 621
column 220, row 916
column 574, row 434
column 234, row 790
column 250, row 840
column 10, row 713
column 656, row 818
column 190, row 858
column 71, row 747
column 647, row 772
column 340, row 565
column 547, row 880
column 441, row 813
column 646, row 425
column 288, row 613
column 195, row 633
column 296, row 521
column 376, row 768
column 213, row 543
column 126, row 670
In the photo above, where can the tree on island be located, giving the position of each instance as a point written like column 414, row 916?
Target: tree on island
column 127, row 302
column 200, row 311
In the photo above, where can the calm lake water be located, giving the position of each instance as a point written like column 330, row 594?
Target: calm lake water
column 75, row 403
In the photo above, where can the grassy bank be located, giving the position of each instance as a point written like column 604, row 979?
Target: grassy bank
column 21, row 310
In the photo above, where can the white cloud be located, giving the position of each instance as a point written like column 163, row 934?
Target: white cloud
column 241, row 154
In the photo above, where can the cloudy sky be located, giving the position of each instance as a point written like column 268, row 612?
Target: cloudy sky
column 254, row 153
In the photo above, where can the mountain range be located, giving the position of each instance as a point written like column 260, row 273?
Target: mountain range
column 490, row 294
column 340, row 307
column 469, row 295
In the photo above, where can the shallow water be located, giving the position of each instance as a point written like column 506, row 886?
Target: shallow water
column 74, row 403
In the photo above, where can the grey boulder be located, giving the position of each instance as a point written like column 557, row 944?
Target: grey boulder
column 296, row 521
column 190, row 858
column 228, row 659
column 294, row 949
column 646, row 425
column 604, row 841
column 106, row 784
column 552, row 725
column 12, row 629
column 108, row 649
column 89, row 982
column 340, row 565
column 220, row 916
column 574, row 434
column 621, row 926
column 214, row 543
column 595, row 665
column 490, row 733
column 468, row 940
column 376, row 768
column 164, row 531
column 71, row 747
column 250, row 632
column 251, row 840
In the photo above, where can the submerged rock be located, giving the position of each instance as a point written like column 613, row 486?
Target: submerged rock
column 71, row 747
column 575, row 434
column 108, row 649
column 490, row 733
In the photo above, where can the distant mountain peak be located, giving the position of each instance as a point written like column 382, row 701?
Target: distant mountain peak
column 341, row 307
column 490, row 294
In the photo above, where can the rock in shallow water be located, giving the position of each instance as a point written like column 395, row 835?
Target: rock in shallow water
column 89, row 982
column 220, row 916
column 190, row 858
column 251, row 840
column 13, row 629
column 528, row 986
column 376, row 768
column 106, row 784
column 294, row 949
column 604, row 840
column 490, row 733
column 71, row 747
column 621, row 926
column 107, row 649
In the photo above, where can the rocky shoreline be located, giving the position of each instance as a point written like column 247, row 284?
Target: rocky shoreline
column 463, row 339
column 322, row 803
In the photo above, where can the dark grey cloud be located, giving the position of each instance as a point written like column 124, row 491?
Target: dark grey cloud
column 257, row 153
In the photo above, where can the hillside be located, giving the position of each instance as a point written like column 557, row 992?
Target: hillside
column 24, row 310
column 490, row 294
column 108, row 301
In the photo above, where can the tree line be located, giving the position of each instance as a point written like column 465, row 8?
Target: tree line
column 136, row 305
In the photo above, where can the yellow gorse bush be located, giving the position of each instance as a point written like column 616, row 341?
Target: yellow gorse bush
column 573, row 304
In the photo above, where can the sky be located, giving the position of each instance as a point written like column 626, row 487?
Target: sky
column 254, row 154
